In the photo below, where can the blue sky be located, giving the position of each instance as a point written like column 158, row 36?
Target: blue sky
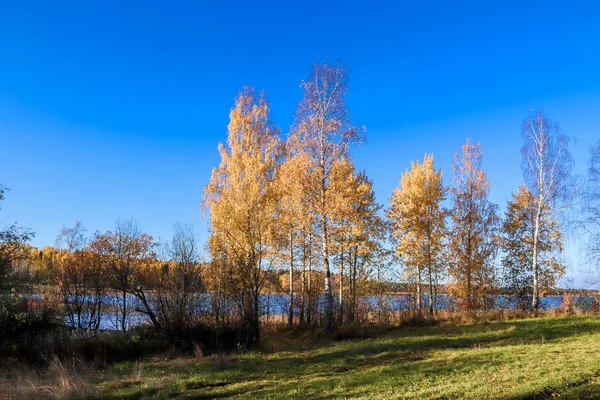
column 115, row 109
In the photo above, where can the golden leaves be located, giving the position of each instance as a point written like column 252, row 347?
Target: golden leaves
column 518, row 241
column 475, row 222
column 418, row 219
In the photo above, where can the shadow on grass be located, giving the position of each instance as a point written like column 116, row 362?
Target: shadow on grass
column 584, row 389
column 427, row 339
column 346, row 368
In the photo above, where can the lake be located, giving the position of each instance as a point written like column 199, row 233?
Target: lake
column 278, row 304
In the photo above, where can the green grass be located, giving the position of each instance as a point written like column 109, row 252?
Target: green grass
column 519, row 359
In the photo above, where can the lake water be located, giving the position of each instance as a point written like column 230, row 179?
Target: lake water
column 278, row 304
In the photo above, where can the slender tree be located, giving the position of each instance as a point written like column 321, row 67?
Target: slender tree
column 591, row 207
column 356, row 230
column 126, row 252
column 81, row 278
column 323, row 130
column 419, row 225
column 293, row 213
column 177, row 280
column 547, row 170
column 475, row 226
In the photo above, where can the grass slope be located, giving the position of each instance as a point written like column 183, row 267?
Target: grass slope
column 519, row 359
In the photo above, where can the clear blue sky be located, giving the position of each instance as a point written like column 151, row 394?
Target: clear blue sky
column 115, row 109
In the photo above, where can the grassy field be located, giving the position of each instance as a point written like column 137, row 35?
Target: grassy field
column 518, row 359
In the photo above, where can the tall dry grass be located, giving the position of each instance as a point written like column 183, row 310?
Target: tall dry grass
column 60, row 380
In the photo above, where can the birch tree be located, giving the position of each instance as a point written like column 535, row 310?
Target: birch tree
column 356, row 231
column 241, row 199
column 365, row 243
column 547, row 171
column 419, row 225
column 324, row 131
column 475, row 226
column 518, row 237
column 292, row 214
column 591, row 208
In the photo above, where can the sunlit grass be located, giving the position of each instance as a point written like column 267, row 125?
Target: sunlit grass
column 516, row 359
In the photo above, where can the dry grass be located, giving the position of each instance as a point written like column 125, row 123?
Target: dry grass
column 60, row 380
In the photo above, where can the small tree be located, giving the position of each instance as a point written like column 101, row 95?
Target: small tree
column 475, row 225
column 126, row 252
column 177, row 280
column 356, row 231
column 292, row 213
column 81, row 279
column 12, row 243
column 519, row 230
column 419, row 225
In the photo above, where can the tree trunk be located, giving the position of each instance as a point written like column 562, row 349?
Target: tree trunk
column 328, row 301
column 535, row 301
column 217, row 297
column 139, row 293
column 256, row 319
column 419, row 302
column 124, row 311
column 291, row 309
column 430, row 271
column 435, row 292
column 325, row 238
column 328, row 294
column 303, row 289
column 352, row 288
column 309, row 309
column 469, row 293
column 341, row 290
column 431, row 298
